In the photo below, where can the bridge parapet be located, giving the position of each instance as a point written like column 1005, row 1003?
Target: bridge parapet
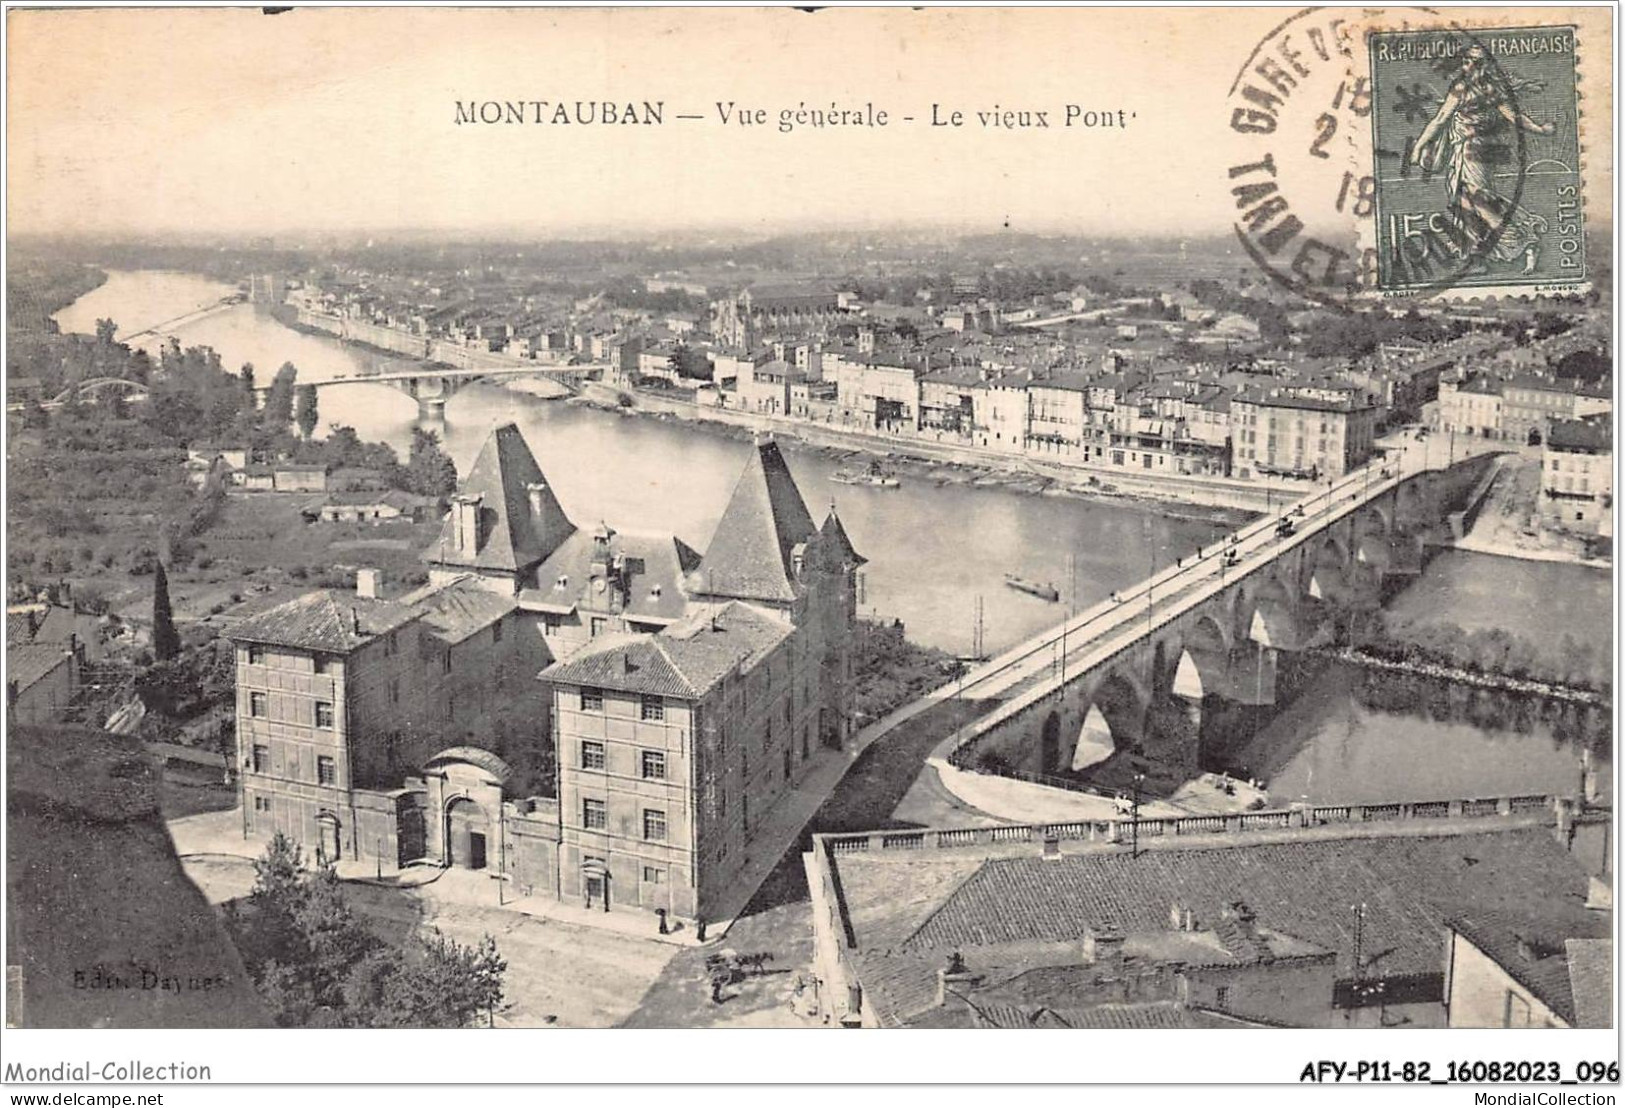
column 1305, row 818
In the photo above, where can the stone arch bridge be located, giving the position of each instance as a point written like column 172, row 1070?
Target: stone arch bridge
column 1139, row 675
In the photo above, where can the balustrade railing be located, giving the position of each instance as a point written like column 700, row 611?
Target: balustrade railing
column 1123, row 829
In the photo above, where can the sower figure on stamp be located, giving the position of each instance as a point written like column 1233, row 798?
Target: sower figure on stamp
column 1471, row 128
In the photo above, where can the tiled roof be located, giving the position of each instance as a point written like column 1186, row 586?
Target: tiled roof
column 1163, row 1014
column 394, row 498
column 474, row 756
column 1591, row 980
column 28, row 663
column 656, row 567
column 905, row 913
column 1577, row 434
column 514, row 538
column 459, row 610
column 323, row 620
column 1533, row 951
column 1277, row 399
column 837, row 543
column 685, row 660
column 750, row 555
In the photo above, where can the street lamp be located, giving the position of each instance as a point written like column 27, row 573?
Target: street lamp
column 1134, row 849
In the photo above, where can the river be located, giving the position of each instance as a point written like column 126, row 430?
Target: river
column 934, row 550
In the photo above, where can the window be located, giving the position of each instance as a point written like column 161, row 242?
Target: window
column 1221, row 998
column 262, row 759
column 262, row 804
column 389, row 644
column 395, row 691
column 324, row 715
column 654, row 825
column 257, row 705
column 321, row 664
column 654, row 709
column 654, row 765
column 326, row 773
column 445, row 661
column 654, row 875
column 551, row 624
column 592, row 700
column 496, row 632
column 594, row 816
column 592, row 755
column 598, row 625
column 256, row 655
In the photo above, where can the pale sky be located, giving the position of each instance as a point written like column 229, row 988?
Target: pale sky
column 344, row 119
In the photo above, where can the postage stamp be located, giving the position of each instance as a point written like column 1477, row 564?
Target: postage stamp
column 1477, row 161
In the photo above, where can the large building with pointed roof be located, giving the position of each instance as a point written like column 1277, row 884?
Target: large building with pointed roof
column 596, row 713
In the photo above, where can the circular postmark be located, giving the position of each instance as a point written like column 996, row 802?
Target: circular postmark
column 1316, row 154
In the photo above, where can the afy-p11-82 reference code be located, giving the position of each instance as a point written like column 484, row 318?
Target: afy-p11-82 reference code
column 1462, row 1072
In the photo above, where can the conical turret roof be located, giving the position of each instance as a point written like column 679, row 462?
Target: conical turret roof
column 750, row 554
column 515, row 533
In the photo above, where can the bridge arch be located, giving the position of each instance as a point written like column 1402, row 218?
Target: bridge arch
column 1267, row 614
column 95, row 386
column 1109, row 717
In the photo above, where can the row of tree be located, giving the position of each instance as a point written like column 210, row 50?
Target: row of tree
column 316, row 963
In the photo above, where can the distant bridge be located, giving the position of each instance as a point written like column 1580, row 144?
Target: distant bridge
column 431, row 388
column 92, row 389
column 1136, row 672
column 161, row 329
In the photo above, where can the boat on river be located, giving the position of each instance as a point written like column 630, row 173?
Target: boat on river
column 1033, row 588
column 874, row 477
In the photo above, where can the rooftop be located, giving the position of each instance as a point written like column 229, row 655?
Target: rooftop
column 324, row 619
column 457, row 611
column 1535, row 952
column 907, row 909
column 750, row 554
column 1587, row 436
column 685, row 660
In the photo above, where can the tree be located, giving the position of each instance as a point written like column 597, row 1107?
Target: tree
column 429, row 471
column 166, row 643
column 279, row 399
column 35, row 416
column 106, row 329
column 246, row 376
column 691, row 362
column 305, row 415
column 316, row 963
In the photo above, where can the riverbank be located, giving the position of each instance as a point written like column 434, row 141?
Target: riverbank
column 1509, row 526
column 1497, row 681
column 934, row 463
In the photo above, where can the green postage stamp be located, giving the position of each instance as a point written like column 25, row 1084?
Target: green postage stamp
column 1477, row 161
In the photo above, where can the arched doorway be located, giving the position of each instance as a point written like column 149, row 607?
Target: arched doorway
column 327, row 838
column 595, row 883
column 467, row 833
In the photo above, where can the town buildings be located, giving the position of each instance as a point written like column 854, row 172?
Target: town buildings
column 1302, row 432
column 680, row 696
column 1010, row 927
column 1577, row 476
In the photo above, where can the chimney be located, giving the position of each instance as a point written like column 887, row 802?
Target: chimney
column 534, row 492
column 466, row 524
column 954, row 980
column 1103, row 944
column 366, row 583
